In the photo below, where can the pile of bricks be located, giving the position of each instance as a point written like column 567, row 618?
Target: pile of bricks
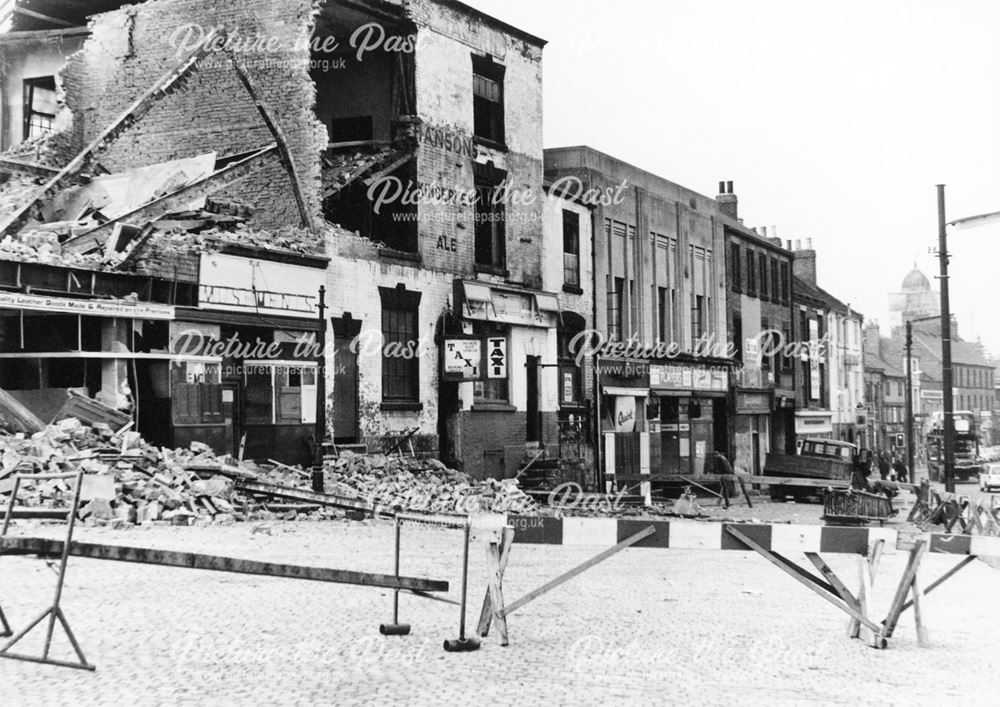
column 427, row 485
column 126, row 481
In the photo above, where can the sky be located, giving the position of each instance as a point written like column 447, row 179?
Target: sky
column 834, row 120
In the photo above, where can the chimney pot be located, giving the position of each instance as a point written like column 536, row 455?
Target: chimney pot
column 809, row 243
column 798, row 244
column 789, row 244
column 729, row 187
column 722, row 187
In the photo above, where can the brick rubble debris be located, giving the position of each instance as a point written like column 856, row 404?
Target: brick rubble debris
column 128, row 481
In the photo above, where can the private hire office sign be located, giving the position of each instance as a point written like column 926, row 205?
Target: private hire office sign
column 88, row 307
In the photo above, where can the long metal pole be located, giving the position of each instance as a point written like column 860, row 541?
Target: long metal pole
column 320, row 429
column 946, row 372
column 909, row 400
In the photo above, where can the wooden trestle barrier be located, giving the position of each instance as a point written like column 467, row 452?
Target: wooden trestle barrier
column 45, row 548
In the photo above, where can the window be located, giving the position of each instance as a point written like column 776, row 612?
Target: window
column 762, row 261
column 571, row 248
column 490, row 390
column 738, row 337
column 786, row 357
column 616, row 303
column 487, row 99
column 751, row 274
column 785, row 296
column 765, row 361
column 400, row 362
column 663, row 314
column 570, row 375
column 196, row 393
column 775, row 282
column 39, row 105
column 698, row 317
column 735, row 273
column 491, row 233
column 280, row 393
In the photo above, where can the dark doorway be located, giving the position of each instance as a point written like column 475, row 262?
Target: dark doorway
column 345, row 380
column 534, row 432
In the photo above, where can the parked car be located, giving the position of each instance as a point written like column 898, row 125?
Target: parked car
column 989, row 477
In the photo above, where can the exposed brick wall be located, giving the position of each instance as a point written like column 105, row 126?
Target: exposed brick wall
column 131, row 48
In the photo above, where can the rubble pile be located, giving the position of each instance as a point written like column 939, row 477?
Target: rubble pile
column 126, row 480
column 38, row 246
column 415, row 484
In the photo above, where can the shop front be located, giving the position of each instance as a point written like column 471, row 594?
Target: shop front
column 624, row 394
column 687, row 414
column 753, row 433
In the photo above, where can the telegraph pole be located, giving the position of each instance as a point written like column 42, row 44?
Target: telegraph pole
column 946, row 370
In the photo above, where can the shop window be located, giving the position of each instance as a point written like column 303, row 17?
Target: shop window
column 280, row 393
column 400, row 362
column 39, row 105
column 571, row 248
column 490, row 215
column 488, row 100
column 490, row 390
column 196, row 393
column 736, row 275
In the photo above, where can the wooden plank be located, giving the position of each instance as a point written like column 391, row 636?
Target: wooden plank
column 940, row 580
column 496, row 591
column 279, row 136
column 832, row 578
column 323, row 499
column 139, row 108
column 896, row 608
column 216, row 563
column 579, row 569
column 17, row 416
column 918, row 617
column 801, row 576
column 486, row 613
column 870, row 565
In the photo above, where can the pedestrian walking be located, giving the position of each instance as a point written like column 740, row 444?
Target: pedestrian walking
column 883, row 465
column 899, row 467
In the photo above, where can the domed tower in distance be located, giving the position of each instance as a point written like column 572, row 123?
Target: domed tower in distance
column 915, row 299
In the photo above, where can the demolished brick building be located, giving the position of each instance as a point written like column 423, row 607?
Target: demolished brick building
column 271, row 136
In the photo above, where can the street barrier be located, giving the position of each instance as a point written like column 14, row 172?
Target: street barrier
column 775, row 542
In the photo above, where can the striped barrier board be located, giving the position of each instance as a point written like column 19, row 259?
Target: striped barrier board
column 694, row 535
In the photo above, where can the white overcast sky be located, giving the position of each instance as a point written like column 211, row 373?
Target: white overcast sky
column 834, row 120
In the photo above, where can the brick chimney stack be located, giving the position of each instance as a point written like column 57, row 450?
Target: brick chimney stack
column 804, row 263
column 727, row 201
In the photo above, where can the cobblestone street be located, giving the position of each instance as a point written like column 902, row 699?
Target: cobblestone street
column 646, row 627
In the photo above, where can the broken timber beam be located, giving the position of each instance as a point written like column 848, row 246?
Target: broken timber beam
column 125, row 120
column 323, row 499
column 45, row 547
column 286, row 156
column 174, row 201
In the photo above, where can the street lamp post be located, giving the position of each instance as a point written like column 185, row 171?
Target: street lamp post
column 946, row 368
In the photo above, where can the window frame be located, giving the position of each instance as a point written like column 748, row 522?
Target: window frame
column 571, row 247
column 403, row 304
column 487, row 72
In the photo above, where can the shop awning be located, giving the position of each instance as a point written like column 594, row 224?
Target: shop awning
column 475, row 292
column 547, row 302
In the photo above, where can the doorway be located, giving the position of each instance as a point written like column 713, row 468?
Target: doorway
column 345, row 380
